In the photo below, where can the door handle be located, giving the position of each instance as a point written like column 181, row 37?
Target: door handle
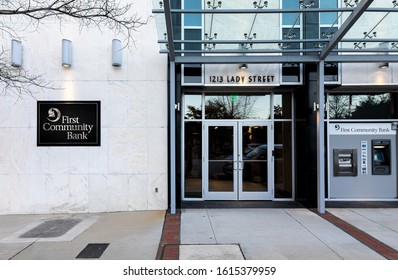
column 235, row 165
column 240, row 164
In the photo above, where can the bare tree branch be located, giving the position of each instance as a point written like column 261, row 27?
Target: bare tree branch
column 17, row 80
column 109, row 14
column 106, row 14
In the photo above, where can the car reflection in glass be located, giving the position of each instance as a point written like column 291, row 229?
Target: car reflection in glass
column 258, row 153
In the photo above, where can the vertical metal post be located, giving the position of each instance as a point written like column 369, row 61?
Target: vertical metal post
column 321, row 137
column 172, row 138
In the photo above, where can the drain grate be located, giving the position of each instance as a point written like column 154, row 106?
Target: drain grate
column 51, row 228
column 93, row 251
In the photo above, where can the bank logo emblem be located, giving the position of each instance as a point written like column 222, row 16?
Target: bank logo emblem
column 54, row 114
column 337, row 127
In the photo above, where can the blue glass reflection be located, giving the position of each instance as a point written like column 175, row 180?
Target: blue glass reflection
column 193, row 19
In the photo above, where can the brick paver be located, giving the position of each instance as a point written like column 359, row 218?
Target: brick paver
column 373, row 243
column 170, row 240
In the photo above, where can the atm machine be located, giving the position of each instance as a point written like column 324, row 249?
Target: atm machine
column 381, row 159
column 345, row 162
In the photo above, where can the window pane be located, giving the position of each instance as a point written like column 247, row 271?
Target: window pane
column 193, row 19
column 283, row 159
column 193, row 160
column 238, row 107
column 375, row 106
column 193, row 107
column 328, row 18
column 289, row 18
column 282, row 106
column 193, row 34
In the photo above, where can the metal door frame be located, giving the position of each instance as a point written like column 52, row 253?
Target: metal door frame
column 237, row 193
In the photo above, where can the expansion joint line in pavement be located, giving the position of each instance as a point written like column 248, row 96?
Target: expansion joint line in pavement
column 169, row 245
column 363, row 237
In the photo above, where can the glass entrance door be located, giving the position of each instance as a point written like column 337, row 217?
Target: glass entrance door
column 238, row 161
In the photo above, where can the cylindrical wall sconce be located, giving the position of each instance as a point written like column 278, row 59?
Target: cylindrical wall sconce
column 116, row 53
column 66, row 53
column 16, row 53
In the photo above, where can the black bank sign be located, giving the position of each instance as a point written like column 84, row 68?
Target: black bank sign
column 68, row 123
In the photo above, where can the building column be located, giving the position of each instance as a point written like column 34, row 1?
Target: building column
column 320, row 120
column 172, row 144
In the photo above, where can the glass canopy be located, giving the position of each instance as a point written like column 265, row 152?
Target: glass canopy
column 277, row 31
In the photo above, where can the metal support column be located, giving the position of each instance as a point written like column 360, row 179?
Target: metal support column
column 172, row 138
column 321, row 137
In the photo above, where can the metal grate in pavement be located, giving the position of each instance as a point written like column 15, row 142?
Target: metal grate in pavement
column 93, row 251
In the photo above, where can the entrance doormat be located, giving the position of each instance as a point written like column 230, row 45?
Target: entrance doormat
column 51, row 228
column 93, row 251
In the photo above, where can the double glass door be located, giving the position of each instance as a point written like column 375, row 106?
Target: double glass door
column 238, row 160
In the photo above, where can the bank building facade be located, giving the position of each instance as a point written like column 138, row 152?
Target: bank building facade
column 231, row 102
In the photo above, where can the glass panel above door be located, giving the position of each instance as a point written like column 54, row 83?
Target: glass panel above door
column 236, row 106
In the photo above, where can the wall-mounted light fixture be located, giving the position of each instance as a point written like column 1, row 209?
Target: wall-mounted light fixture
column 116, row 53
column 66, row 53
column 16, row 53
column 385, row 45
column 243, row 66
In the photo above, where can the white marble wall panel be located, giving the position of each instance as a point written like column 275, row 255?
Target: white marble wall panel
column 58, row 193
column 157, row 150
column 78, row 193
column 156, row 199
column 5, row 189
column 98, row 157
column 98, row 194
column 128, row 151
column 6, row 151
column 139, row 101
column 18, row 194
column 119, row 175
column 122, row 173
column 157, row 98
column 78, row 160
column 117, row 190
column 137, row 194
column 38, row 195
column 58, row 158
column 369, row 73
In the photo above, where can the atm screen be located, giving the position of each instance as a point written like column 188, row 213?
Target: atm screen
column 378, row 156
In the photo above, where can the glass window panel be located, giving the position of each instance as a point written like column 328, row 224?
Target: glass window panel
column 192, row 73
column 328, row 18
column 193, row 107
column 283, row 160
column 193, row 19
column 255, row 158
column 221, row 149
column 193, row 160
column 282, row 106
column 192, row 34
column 289, row 18
column 373, row 106
column 235, row 106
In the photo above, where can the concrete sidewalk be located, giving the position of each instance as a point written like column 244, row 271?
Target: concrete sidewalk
column 253, row 234
column 280, row 234
column 131, row 236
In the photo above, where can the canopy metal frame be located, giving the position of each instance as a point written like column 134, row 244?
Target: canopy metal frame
column 329, row 52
